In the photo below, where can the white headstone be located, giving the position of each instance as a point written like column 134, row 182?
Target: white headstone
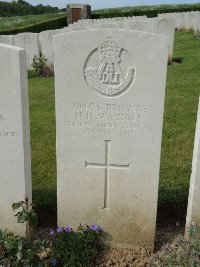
column 6, row 39
column 15, row 163
column 193, row 210
column 109, row 111
column 28, row 41
column 166, row 27
column 137, row 25
column 182, row 21
column 46, row 44
column 175, row 17
column 197, row 28
column 191, row 21
column 162, row 26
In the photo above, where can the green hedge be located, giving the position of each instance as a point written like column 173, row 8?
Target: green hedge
column 51, row 24
column 149, row 13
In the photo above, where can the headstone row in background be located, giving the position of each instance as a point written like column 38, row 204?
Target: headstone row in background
column 163, row 26
column 185, row 20
column 37, row 44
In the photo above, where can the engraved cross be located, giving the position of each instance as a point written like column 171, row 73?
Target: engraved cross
column 107, row 166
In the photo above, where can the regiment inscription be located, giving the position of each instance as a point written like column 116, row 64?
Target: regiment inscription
column 109, row 119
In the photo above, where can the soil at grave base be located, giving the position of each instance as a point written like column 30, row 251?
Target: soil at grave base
column 124, row 258
column 170, row 223
column 176, row 61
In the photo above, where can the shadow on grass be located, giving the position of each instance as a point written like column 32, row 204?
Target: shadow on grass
column 47, row 211
column 175, row 61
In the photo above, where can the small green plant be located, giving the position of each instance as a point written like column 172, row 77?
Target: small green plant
column 40, row 66
column 77, row 248
column 63, row 248
column 27, row 215
column 17, row 251
column 181, row 253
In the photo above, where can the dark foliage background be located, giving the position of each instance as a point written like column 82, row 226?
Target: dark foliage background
column 21, row 7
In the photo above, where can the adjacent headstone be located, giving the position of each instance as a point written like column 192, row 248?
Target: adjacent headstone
column 109, row 111
column 191, row 20
column 175, row 17
column 166, row 27
column 15, row 163
column 46, row 44
column 28, row 41
column 6, row 39
column 197, row 28
column 193, row 210
column 182, row 21
column 177, row 20
column 137, row 25
column 162, row 26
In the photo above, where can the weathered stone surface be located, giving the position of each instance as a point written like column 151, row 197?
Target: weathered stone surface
column 183, row 21
column 109, row 112
column 193, row 211
column 28, row 41
column 15, row 160
column 175, row 17
column 163, row 26
column 166, row 27
column 46, row 45
column 6, row 39
column 137, row 25
column 197, row 28
column 191, row 20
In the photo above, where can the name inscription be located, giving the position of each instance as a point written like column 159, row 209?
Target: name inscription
column 5, row 132
column 109, row 119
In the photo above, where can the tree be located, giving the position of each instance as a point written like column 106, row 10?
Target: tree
column 22, row 2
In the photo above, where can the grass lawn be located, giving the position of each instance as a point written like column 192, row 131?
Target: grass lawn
column 183, row 87
column 8, row 23
column 181, row 103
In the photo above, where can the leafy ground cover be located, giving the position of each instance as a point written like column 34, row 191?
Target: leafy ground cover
column 8, row 23
column 182, row 92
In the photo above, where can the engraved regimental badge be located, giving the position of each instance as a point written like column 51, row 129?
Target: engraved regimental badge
column 106, row 70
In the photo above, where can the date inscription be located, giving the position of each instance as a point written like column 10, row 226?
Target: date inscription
column 109, row 119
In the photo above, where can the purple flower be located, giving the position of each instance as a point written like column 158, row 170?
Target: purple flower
column 53, row 262
column 68, row 229
column 94, row 227
column 59, row 229
column 46, row 73
column 100, row 228
column 52, row 233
